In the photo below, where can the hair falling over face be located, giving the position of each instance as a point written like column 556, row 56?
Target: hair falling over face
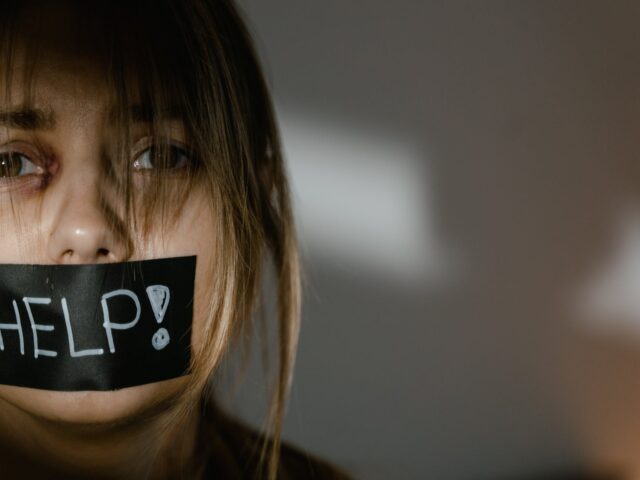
column 191, row 61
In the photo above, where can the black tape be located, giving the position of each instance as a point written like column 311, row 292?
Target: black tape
column 95, row 327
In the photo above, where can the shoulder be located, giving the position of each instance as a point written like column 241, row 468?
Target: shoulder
column 231, row 449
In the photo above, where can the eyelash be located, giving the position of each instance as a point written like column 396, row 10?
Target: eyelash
column 30, row 168
column 186, row 159
column 8, row 162
column 23, row 170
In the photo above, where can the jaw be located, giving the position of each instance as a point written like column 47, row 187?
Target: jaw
column 94, row 433
column 93, row 409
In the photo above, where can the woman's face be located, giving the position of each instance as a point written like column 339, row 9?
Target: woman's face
column 52, row 212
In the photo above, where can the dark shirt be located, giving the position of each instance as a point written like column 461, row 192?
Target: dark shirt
column 232, row 450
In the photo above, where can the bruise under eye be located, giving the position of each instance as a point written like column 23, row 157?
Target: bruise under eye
column 168, row 158
column 15, row 164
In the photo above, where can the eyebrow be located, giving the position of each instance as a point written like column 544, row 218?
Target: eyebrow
column 147, row 113
column 27, row 119
column 38, row 119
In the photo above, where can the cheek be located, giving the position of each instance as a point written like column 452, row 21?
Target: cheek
column 20, row 239
column 9, row 242
column 203, row 235
column 194, row 233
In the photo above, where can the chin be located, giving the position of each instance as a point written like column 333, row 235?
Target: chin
column 95, row 408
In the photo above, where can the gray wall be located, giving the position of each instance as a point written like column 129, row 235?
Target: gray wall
column 460, row 171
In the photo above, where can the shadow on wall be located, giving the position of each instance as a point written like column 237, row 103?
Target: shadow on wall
column 459, row 169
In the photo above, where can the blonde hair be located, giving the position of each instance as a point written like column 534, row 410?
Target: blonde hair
column 193, row 59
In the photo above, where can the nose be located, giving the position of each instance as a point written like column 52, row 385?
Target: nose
column 84, row 231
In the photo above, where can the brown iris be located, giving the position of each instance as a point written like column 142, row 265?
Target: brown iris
column 166, row 157
column 10, row 164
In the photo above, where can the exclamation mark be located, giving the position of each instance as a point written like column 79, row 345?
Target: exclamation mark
column 159, row 296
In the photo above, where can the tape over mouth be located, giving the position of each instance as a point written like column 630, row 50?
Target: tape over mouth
column 96, row 327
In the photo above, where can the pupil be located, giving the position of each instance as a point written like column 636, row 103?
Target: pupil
column 166, row 157
column 10, row 165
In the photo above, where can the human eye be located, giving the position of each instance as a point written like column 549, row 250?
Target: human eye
column 15, row 164
column 168, row 158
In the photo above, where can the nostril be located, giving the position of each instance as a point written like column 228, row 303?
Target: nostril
column 83, row 238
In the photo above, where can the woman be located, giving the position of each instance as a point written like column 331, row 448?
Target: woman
column 143, row 130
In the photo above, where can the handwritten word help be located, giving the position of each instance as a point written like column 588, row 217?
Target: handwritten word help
column 158, row 298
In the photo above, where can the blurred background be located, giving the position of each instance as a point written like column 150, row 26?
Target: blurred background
column 467, row 186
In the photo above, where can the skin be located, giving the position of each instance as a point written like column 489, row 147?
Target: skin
column 61, row 221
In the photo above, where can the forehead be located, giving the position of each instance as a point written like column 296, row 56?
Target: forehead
column 73, row 55
column 130, row 65
column 69, row 94
column 56, row 82
column 53, row 82
column 53, row 63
